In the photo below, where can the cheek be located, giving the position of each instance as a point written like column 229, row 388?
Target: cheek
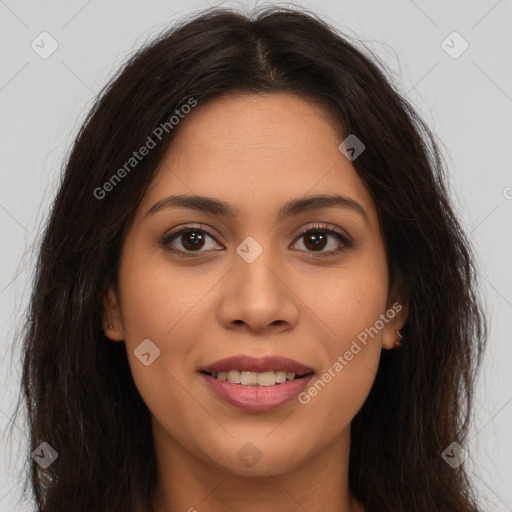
column 159, row 297
column 347, row 314
column 157, row 305
column 351, row 352
column 334, row 397
column 348, row 301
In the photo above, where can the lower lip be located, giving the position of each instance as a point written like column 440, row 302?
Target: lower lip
column 257, row 399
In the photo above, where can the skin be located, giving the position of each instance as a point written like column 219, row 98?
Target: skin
column 255, row 152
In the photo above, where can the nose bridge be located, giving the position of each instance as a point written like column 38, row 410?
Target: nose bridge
column 256, row 264
column 257, row 295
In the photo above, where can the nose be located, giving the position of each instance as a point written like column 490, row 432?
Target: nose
column 257, row 297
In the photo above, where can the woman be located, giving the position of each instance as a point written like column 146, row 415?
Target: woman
column 252, row 292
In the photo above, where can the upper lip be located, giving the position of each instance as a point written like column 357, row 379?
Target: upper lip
column 257, row 364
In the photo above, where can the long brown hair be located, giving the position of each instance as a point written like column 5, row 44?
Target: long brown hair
column 77, row 387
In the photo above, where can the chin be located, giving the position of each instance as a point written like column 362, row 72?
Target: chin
column 257, row 458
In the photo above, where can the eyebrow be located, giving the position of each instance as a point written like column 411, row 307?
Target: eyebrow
column 289, row 209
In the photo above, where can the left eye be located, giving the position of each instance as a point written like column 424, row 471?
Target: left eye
column 317, row 240
column 193, row 239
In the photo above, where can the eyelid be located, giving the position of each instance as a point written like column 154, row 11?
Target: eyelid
column 346, row 240
column 315, row 226
column 191, row 226
column 323, row 226
column 166, row 238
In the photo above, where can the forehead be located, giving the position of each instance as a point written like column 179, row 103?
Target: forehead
column 257, row 152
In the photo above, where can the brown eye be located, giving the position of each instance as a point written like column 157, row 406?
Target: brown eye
column 188, row 240
column 192, row 240
column 316, row 239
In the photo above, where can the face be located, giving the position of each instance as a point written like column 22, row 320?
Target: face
column 310, row 285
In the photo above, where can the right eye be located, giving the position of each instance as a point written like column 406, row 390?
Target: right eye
column 191, row 238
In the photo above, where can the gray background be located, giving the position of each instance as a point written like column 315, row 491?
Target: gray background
column 467, row 101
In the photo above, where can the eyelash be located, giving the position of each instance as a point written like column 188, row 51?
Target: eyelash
column 323, row 228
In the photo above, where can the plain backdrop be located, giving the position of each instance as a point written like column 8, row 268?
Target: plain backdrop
column 466, row 99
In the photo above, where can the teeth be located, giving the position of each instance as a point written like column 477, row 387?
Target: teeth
column 255, row 378
column 266, row 378
column 248, row 378
column 234, row 376
column 281, row 377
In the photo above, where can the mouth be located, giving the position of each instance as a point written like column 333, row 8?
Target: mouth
column 257, row 379
column 256, row 384
column 253, row 397
column 273, row 366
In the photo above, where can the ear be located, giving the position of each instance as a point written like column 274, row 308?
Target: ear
column 112, row 321
column 396, row 315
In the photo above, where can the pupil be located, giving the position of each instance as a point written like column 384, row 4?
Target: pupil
column 318, row 240
column 195, row 237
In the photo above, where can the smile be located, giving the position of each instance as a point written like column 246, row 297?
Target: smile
column 255, row 379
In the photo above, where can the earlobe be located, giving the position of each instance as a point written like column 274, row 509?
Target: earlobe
column 398, row 339
column 112, row 322
column 392, row 336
